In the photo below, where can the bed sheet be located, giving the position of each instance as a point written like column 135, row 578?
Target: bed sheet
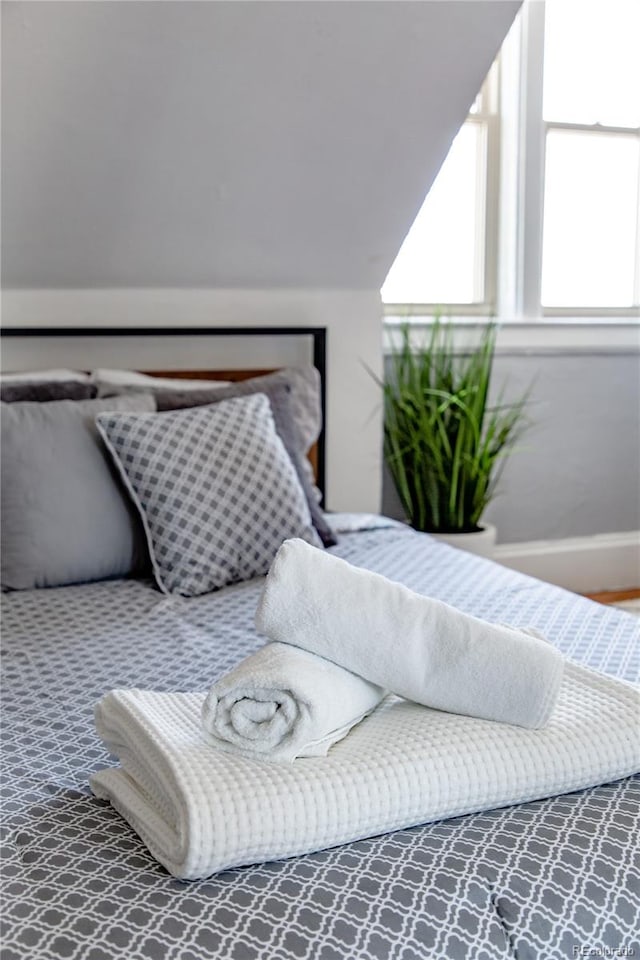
column 538, row 881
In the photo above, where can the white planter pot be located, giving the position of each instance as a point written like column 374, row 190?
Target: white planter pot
column 480, row 541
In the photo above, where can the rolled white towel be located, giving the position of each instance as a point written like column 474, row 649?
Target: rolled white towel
column 414, row 646
column 282, row 703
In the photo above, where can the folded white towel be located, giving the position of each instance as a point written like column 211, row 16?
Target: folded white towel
column 414, row 646
column 282, row 703
column 200, row 810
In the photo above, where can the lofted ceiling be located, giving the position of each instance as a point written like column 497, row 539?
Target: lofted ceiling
column 228, row 144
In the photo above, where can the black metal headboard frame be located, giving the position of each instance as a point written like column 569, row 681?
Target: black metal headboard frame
column 318, row 335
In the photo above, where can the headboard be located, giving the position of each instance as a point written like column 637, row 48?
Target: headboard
column 317, row 336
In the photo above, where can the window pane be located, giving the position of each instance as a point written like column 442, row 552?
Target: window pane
column 438, row 260
column 591, row 62
column 590, row 217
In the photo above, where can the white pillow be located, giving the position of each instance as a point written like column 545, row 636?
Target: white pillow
column 40, row 376
column 105, row 378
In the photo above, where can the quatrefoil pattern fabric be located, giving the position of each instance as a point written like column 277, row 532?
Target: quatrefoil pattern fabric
column 215, row 487
column 538, row 881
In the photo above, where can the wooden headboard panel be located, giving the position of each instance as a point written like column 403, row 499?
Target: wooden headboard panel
column 234, row 375
column 318, row 336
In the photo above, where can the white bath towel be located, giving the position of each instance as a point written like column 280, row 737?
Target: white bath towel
column 414, row 646
column 282, row 702
column 200, row 810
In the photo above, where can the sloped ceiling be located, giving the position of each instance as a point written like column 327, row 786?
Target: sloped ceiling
column 228, row 144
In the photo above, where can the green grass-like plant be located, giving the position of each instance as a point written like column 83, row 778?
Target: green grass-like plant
column 444, row 445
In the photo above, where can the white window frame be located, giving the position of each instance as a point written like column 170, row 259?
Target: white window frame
column 486, row 114
column 516, row 147
column 533, row 152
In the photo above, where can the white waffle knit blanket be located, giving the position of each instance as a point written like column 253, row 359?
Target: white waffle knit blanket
column 200, row 810
column 413, row 646
column 281, row 703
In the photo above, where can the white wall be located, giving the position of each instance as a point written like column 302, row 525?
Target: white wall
column 353, row 319
column 226, row 144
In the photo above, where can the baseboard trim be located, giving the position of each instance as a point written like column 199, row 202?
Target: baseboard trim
column 606, row 561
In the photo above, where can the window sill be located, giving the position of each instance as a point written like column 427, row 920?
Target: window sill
column 566, row 335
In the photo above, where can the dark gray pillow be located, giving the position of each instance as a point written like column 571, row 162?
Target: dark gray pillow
column 46, row 390
column 279, row 393
column 66, row 517
column 303, row 382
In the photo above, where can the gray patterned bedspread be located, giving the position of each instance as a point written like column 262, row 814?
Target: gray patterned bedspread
column 557, row 878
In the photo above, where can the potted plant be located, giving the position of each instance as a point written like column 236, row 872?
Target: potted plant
column 445, row 446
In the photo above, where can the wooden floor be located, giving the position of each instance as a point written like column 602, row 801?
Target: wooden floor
column 615, row 596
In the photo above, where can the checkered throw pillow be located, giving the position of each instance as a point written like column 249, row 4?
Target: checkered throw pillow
column 215, row 487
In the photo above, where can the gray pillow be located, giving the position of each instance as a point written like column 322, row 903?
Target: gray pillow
column 215, row 487
column 46, row 390
column 303, row 382
column 278, row 390
column 65, row 516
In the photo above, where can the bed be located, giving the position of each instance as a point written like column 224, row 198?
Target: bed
column 552, row 878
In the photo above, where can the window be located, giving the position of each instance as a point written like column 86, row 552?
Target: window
column 591, row 115
column 448, row 255
column 536, row 210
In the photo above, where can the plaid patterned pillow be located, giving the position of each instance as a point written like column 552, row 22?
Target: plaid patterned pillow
column 215, row 487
